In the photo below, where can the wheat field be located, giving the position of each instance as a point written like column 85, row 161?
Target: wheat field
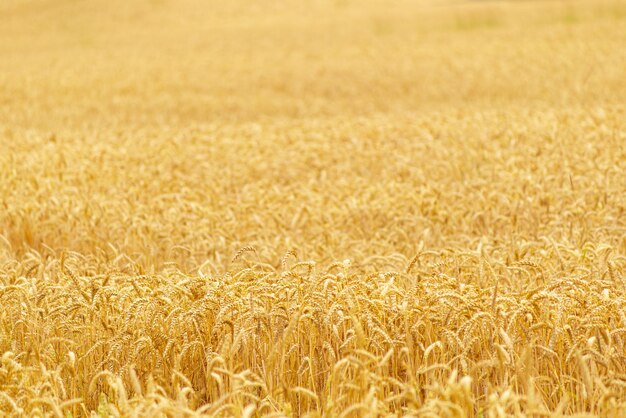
column 312, row 208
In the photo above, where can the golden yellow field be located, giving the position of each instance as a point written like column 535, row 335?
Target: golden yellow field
column 332, row 208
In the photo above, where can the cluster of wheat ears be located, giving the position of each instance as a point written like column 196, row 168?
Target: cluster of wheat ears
column 329, row 208
column 455, row 334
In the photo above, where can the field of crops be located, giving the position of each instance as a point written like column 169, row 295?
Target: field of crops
column 313, row 208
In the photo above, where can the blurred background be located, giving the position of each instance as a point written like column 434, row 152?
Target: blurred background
column 67, row 62
column 183, row 130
